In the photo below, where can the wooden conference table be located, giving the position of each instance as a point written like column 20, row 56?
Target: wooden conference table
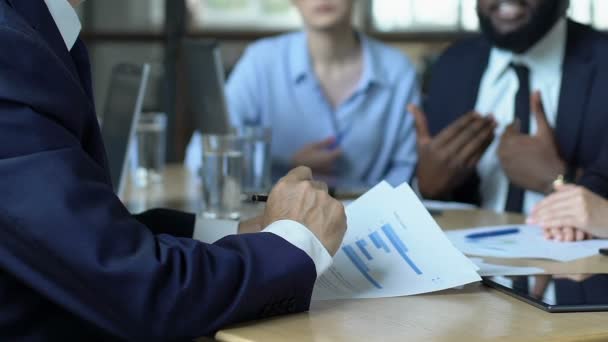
column 474, row 313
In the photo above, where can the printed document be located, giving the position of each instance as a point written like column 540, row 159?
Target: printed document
column 393, row 247
column 529, row 242
column 493, row 270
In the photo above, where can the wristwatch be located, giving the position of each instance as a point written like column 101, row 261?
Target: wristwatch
column 568, row 177
column 559, row 181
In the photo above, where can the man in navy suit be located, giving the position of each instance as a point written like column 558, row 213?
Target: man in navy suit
column 515, row 109
column 75, row 265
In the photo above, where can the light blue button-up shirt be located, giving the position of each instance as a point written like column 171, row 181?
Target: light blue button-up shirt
column 274, row 85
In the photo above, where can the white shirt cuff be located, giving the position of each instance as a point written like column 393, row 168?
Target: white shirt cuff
column 209, row 231
column 301, row 237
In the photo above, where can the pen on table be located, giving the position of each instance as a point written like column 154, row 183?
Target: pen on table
column 264, row 198
column 259, row 198
column 493, row 233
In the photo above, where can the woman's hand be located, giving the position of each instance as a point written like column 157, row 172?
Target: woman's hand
column 572, row 213
column 567, row 234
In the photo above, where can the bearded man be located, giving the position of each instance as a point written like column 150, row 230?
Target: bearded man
column 515, row 109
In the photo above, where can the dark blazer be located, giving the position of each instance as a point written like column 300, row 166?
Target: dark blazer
column 74, row 264
column 582, row 118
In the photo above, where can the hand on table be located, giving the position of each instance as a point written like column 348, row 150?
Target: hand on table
column 448, row 159
column 567, row 234
column 299, row 198
column 320, row 156
column 531, row 161
column 572, row 213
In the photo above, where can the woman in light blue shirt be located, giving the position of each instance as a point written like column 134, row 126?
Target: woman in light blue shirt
column 335, row 99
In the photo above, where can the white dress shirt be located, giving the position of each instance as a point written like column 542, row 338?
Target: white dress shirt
column 208, row 231
column 66, row 19
column 499, row 86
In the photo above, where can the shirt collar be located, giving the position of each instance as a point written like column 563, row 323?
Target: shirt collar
column 66, row 19
column 372, row 70
column 300, row 59
column 301, row 64
column 545, row 58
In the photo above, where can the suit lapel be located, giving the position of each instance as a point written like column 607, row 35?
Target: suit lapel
column 480, row 64
column 38, row 16
column 577, row 79
column 80, row 57
column 455, row 83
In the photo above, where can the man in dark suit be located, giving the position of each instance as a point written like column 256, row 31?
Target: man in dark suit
column 75, row 265
column 534, row 87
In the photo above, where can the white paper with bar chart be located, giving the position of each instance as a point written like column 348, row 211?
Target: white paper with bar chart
column 393, row 247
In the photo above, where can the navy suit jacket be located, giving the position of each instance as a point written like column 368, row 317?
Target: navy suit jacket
column 74, row 263
column 582, row 117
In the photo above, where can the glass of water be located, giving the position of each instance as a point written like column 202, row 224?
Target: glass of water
column 222, row 176
column 256, row 158
column 150, row 152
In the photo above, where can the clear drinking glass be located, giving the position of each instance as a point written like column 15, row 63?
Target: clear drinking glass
column 256, row 158
column 222, row 176
column 151, row 138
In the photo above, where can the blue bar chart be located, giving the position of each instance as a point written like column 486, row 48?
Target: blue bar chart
column 363, row 248
column 360, row 265
column 384, row 240
column 400, row 247
column 378, row 242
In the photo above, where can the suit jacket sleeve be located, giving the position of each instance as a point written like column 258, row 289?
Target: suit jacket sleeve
column 595, row 178
column 166, row 221
column 65, row 235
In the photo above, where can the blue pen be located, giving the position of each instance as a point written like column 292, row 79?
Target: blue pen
column 493, row 233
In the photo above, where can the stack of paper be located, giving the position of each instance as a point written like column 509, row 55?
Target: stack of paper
column 393, row 247
column 527, row 243
column 452, row 206
column 491, row 270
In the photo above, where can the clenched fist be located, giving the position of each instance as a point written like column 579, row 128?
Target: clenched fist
column 299, row 198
